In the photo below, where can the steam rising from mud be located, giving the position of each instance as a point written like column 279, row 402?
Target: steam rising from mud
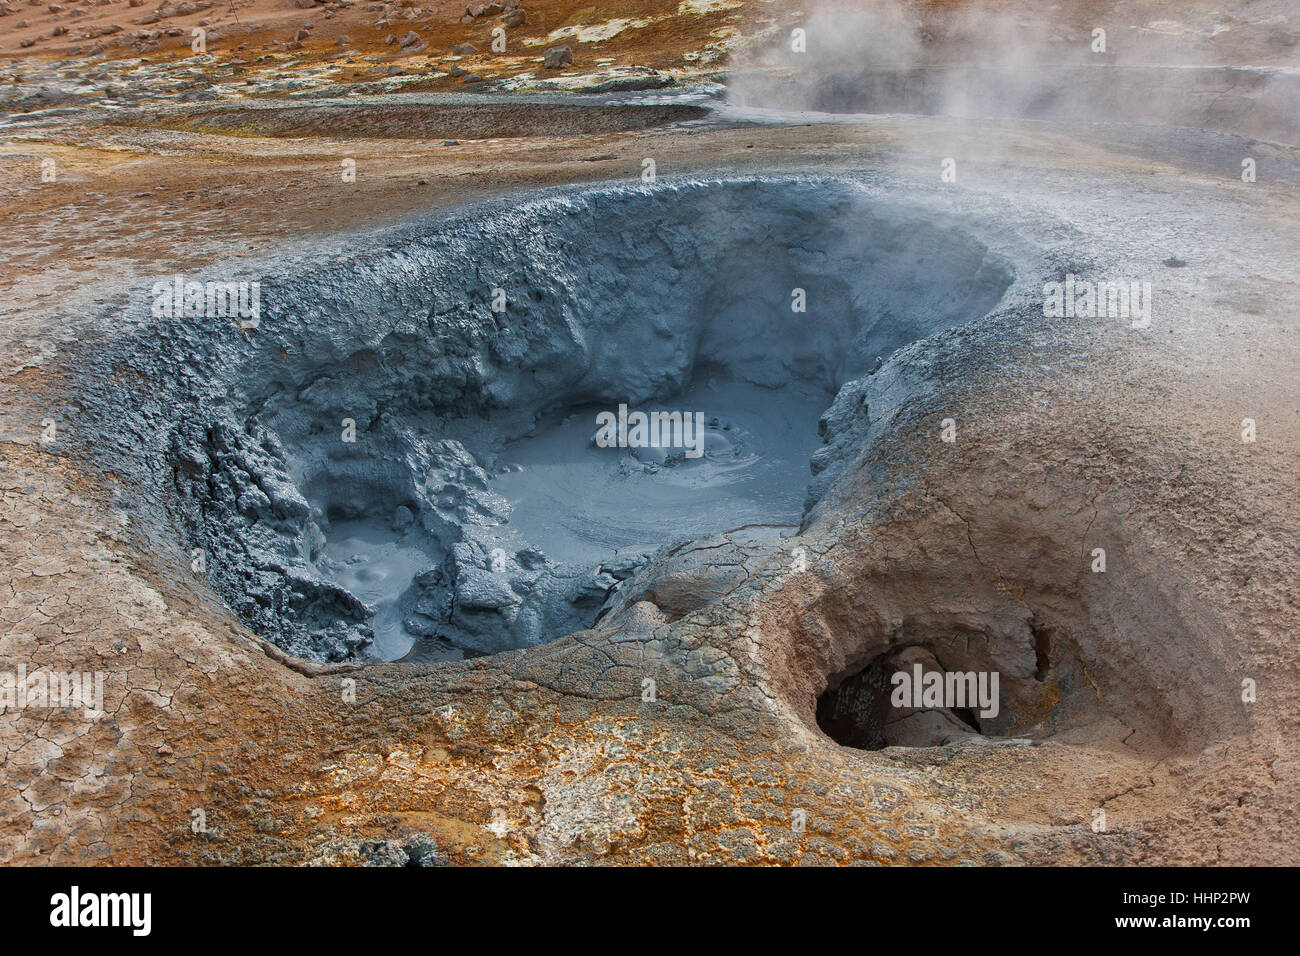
column 984, row 61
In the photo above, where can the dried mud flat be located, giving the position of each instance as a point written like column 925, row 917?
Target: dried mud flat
column 1124, row 689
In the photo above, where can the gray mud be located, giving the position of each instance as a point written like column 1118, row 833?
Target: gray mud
column 472, row 514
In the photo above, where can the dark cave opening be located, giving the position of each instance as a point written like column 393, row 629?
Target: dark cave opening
column 905, row 698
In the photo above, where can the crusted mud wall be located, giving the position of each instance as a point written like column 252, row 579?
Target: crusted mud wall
column 615, row 295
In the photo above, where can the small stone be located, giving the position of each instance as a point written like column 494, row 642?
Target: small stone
column 556, row 57
column 515, row 18
column 531, row 558
column 464, row 49
column 422, row 850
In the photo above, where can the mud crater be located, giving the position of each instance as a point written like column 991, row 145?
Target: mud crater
column 390, row 467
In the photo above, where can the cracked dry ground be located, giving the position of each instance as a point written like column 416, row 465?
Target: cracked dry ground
column 551, row 755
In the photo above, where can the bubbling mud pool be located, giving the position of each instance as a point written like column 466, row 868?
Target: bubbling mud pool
column 575, row 500
column 568, row 503
column 399, row 463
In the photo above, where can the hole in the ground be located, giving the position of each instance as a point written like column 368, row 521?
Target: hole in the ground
column 392, row 466
column 907, row 698
column 1063, row 680
column 1042, row 653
